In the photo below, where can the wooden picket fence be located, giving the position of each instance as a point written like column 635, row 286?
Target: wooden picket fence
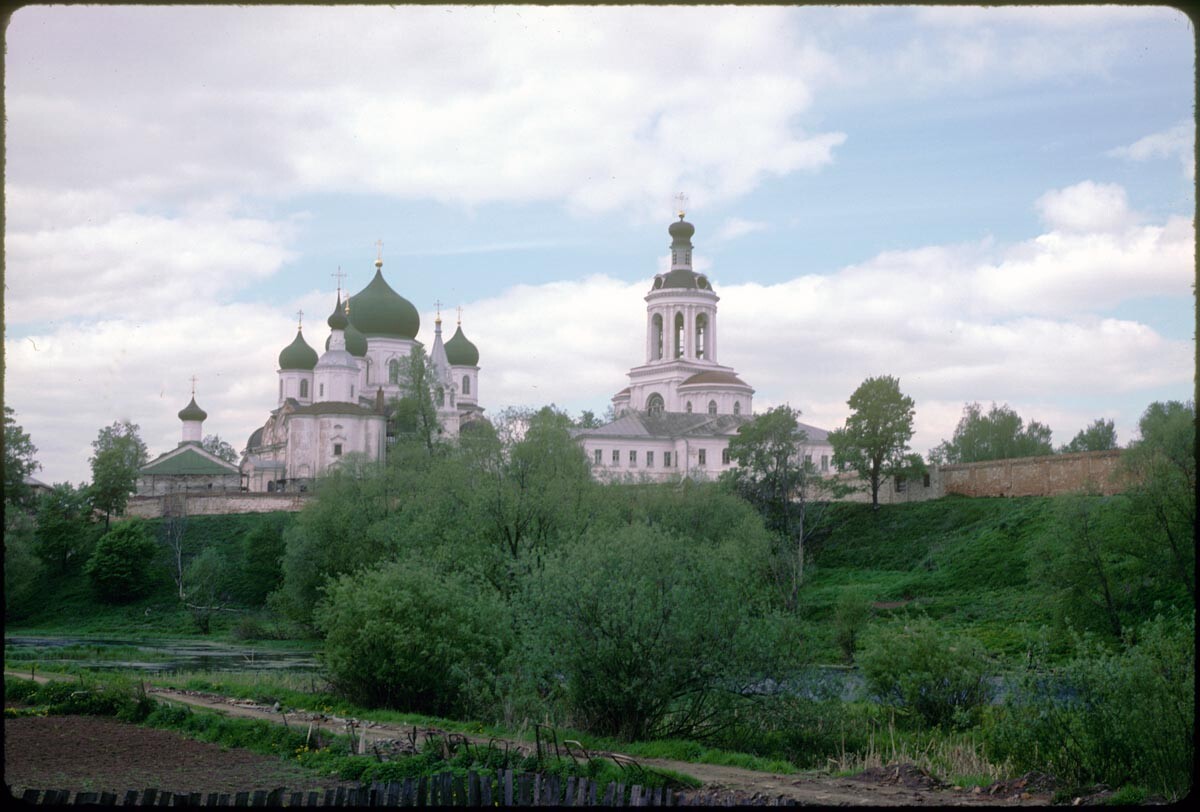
column 505, row 788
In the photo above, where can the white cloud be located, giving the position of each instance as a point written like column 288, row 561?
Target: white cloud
column 1086, row 207
column 457, row 104
column 736, row 227
column 1179, row 141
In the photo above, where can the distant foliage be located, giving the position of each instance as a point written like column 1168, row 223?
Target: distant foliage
column 940, row 678
column 119, row 567
column 1101, row 435
column 19, row 461
column 409, row 637
column 1000, row 434
column 213, row 444
column 117, row 454
column 24, row 572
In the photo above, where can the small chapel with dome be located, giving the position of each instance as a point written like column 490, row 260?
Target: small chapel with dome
column 340, row 402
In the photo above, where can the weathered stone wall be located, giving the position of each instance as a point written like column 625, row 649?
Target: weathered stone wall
column 1048, row 475
column 1037, row 476
column 205, row 504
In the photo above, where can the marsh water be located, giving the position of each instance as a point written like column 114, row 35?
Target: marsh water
column 158, row 656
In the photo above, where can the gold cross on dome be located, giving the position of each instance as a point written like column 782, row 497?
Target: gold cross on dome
column 379, row 250
column 438, row 305
column 340, row 275
column 681, row 202
column 299, row 319
column 193, row 386
column 460, row 315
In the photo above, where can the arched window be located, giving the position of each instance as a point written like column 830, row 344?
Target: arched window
column 701, row 335
column 689, row 407
column 654, row 404
column 466, row 384
column 281, row 388
column 441, row 393
column 321, row 390
column 656, row 337
column 303, row 389
column 737, row 407
column 712, row 407
column 393, row 371
column 369, row 376
column 678, row 335
column 351, row 392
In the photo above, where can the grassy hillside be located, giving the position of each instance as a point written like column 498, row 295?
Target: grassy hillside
column 962, row 561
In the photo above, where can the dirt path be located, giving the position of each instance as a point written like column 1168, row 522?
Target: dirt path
column 895, row 785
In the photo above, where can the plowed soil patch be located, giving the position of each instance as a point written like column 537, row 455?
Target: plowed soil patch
column 84, row 753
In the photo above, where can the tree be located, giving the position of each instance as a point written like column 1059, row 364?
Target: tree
column 118, row 453
column 1101, row 435
column 63, row 531
column 1000, row 434
column 414, row 415
column 213, row 444
column 1162, row 463
column 875, row 438
column 24, row 572
column 119, row 566
column 588, row 420
column 772, row 475
column 207, row 583
column 19, row 463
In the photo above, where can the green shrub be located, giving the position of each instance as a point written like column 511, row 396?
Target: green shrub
column 19, row 690
column 918, row 669
column 408, row 637
column 1125, row 718
column 850, row 617
column 645, row 633
column 120, row 564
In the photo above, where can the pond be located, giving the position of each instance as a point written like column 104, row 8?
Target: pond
column 158, row 656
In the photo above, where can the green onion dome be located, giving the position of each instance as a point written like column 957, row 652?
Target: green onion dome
column 193, row 412
column 460, row 352
column 681, row 232
column 356, row 342
column 378, row 311
column 337, row 319
column 298, row 355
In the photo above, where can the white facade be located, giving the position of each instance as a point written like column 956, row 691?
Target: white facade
column 682, row 406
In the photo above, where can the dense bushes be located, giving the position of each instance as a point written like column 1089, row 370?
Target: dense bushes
column 407, row 636
column 1118, row 718
column 649, row 631
column 918, row 668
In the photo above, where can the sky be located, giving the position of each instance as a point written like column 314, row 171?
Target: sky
column 990, row 204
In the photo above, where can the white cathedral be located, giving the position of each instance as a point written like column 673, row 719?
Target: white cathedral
column 681, row 408
column 340, row 403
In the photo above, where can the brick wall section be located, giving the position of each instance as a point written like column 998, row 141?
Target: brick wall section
column 215, row 504
column 1037, row 476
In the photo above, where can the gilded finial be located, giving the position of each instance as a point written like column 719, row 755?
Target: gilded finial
column 379, row 253
column 339, row 275
column 460, row 315
column 438, row 305
column 299, row 319
column 193, row 387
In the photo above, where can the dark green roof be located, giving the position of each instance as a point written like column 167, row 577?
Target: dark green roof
column 377, row 310
column 681, row 233
column 193, row 412
column 460, row 352
column 188, row 459
column 298, row 355
column 337, row 319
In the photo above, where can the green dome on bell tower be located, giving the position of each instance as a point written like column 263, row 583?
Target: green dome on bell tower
column 298, row 355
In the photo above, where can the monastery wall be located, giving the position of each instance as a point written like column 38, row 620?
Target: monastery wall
column 1049, row 475
column 215, row 504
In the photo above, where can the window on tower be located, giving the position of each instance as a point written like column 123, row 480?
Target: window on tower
column 304, row 389
column 654, row 404
column 466, row 384
column 701, row 335
column 321, row 390
column 393, row 371
column 712, row 407
column 656, row 337
column 678, row 335
column 689, row 407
